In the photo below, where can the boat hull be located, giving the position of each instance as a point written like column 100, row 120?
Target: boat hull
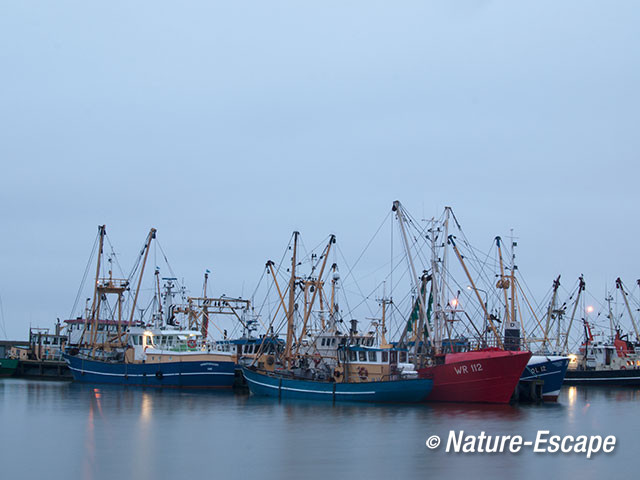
column 185, row 374
column 8, row 366
column 393, row 391
column 550, row 369
column 485, row 376
column 603, row 377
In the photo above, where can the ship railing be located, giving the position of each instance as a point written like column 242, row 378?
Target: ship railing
column 113, row 282
column 513, row 344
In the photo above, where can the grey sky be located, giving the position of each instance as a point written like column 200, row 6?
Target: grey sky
column 227, row 125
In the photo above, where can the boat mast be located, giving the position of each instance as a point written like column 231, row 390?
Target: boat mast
column 205, row 308
column 513, row 280
column 383, row 327
column 503, row 283
column 581, row 286
column 280, row 296
column 159, row 297
column 334, row 280
column 96, row 299
column 437, row 327
column 397, row 207
column 443, row 324
column 292, row 299
column 550, row 311
column 626, row 302
column 145, row 249
column 332, row 240
column 473, row 286
column 610, row 315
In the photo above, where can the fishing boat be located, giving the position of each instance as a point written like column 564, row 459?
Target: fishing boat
column 183, row 361
column 8, row 366
column 549, row 363
column 551, row 369
column 161, row 354
column 481, row 376
column 462, row 371
column 346, row 372
column 289, row 387
column 614, row 360
column 361, row 374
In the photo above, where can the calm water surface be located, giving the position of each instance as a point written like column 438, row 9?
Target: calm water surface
column 62, row 430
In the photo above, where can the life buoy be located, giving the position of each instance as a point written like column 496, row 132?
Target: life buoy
column 623, row 368
column 191, row 343
column 337, row 373
column 363, row 373
column 270, row 360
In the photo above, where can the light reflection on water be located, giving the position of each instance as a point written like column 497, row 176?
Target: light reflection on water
column 62, row 430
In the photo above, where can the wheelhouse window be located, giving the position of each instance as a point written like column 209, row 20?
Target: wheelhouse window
column 385, row 357
column 362, row 356
column 372, row 356
column 352, row 356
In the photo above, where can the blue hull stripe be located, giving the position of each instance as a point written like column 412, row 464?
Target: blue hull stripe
column 397, row 391
column 142, row 375
column 188, row 374
column 553, row 374
column 324, row 392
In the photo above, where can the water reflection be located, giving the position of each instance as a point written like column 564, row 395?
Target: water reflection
column 112, row 432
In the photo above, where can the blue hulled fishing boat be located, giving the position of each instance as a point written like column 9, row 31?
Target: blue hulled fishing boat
column 186, row 374
column 327, row 366
column 122, row 351
column 288, row 387
column 182, row 360
column 549, row 368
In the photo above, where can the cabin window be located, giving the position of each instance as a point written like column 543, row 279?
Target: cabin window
column 394, row 357
column 403, row 357
column 323, row 340
column 385, row 357
column 333, row 341
column 352, row 356
column 362, row 356
column 372, row 356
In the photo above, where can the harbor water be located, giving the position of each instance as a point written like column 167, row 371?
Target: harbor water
column 64, row 430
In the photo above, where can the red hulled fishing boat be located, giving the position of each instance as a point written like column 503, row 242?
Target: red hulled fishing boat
column 486, row 376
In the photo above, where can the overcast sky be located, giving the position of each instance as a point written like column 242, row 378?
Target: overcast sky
column 227, row 125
